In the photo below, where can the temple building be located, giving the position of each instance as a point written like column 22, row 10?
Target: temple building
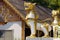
column 12, row 20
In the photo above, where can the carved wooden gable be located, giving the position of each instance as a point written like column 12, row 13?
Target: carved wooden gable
column 7, row 14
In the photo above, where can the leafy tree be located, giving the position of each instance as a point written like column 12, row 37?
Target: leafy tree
column 53, row 4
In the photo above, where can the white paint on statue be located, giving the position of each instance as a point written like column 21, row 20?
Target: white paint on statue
column 31, row 15
column 42, row 28
column 31, row 23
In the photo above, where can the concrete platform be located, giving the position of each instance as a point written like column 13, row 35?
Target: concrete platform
column 38, row 38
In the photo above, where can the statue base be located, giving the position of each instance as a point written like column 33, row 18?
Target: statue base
column 41, row 38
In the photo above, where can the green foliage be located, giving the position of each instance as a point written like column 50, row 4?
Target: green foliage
column 53, row 4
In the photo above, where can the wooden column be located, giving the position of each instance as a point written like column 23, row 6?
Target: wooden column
column 23, row 30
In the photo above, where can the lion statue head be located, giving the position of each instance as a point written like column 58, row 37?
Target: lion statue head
column 29, row 5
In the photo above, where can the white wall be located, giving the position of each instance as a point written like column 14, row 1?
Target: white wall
column 15, row 26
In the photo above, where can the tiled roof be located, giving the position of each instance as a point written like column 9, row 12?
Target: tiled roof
column 41, row 11
column 45, row 14
column 19, row 4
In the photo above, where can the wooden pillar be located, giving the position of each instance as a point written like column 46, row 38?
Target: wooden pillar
column 23, row 30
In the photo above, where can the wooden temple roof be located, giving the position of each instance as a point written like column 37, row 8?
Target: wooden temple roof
column 9, row 5
column 43, row 12
column 18, row 7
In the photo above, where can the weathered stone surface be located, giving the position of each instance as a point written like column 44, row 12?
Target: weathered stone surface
column 38, row 38
column 27, row 38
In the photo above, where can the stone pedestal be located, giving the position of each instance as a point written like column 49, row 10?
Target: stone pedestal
column 27, row 38
column 41, row 38
column 38, row 38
